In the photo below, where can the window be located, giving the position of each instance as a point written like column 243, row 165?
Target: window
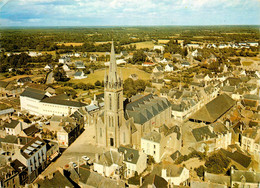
column 154, row 146
column 154, row 152
column 100, row 132
column 110, row 102
column 118, row 101
column 124, row 136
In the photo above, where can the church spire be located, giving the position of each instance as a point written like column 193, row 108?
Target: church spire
column 112, row 65
column 113, row 80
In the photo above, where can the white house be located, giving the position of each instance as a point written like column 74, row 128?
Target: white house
column 48, row 67
column 193, row 45
column 254, row 44
column 134, row 160
column 168, row 68
column 151, row 145
column 118, row 62
column 13, row 128
column 34, row 156
column 251, row 140
column 79, row 75
column 65, row 67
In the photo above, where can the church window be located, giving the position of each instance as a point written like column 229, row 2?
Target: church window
column 100, row 132
column 110, row 102
column 124, row 137
column 118, row 101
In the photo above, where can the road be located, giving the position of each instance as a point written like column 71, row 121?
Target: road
column 83, row 145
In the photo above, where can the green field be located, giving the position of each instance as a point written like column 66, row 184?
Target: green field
column 126, row 72
column 247, row 63
column 139, row 45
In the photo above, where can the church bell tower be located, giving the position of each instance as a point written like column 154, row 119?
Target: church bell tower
column 113, row 95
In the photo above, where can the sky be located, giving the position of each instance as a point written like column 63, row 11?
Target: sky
column 128, row 12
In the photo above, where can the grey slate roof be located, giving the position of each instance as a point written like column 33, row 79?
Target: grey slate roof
column 54, row 100
column 155, row 180
column 130, row 155
column 145, row 108
column 33, row 93
column 24, row 79
column 250, row 177
column 214, row 109
column 12, row 124
column 238, row 157
column 153, row 136
column 58, row 180
column 199, row 133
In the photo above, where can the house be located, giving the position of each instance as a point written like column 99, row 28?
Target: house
column 159, row 47
column 158, row 83
column 148, row 64
column 151, row 145
column 241, row 178
column 251, row 141
column 48, row 67
column 219, row 179
column 193, row 45
column 168, row 68
column 65, row 67
column 157, row 69
column 79, row 75
column 154, row 181
column 79, row 65
column 9, row 177
column 93, row 57
column 134, row 160
column 29, row 131
column 254, row 44
column 185, row 64
column 173, row 174
column 88, row 178
column 13, row 128
column 133, row 77
column 68, row 133
column 77, row 55
column 34, row 54
column 124, row 53
column 58, row 178
column 24, row 80
column 33, row 156
column 64, row 60
column 108, row 163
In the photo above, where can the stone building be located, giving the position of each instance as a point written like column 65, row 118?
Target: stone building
column 122, row 126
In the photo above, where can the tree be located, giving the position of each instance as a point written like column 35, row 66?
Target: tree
column 150, row 160
column 217, row 163
column 139, row 57
column 200, row 170
column 60, row 75
column 97, row 83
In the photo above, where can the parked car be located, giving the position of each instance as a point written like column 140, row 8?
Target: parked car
column 85, row 158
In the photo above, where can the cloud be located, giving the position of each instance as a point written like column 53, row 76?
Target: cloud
column 85, row 12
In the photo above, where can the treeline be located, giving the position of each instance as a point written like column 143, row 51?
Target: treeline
column 22, row 60
column 46, row 39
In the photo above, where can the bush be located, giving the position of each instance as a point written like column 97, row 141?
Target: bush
column 217, row 163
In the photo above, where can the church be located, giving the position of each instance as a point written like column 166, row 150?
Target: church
column 121, row 124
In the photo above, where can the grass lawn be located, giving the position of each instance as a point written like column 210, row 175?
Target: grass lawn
column 146, row 44
column 126, row 72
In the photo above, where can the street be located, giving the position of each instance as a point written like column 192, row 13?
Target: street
column 84, row 145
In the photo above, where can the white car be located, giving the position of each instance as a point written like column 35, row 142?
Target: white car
column 85, row 158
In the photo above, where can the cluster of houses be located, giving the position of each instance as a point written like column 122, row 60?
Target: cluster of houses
column 144, row 136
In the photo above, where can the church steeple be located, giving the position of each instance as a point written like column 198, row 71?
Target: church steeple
column 113, row 80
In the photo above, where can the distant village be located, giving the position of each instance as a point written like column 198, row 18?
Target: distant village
column 202, row 131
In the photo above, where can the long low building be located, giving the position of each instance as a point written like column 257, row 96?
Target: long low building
column 39, row 102
column 213, row 110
